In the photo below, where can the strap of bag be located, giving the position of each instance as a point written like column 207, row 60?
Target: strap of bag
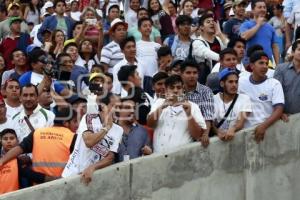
column 228, row 111
column 28, row 123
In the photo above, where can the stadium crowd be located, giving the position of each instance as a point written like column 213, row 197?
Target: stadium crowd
column 87, row 83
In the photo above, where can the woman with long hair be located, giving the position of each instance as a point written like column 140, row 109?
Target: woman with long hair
column 87, row 55
column 32, row 12
column 58, row 39
column 161, row 18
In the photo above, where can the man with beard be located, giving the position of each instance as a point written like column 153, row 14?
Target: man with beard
column 237, row 105
column 258, row 31
column 32, row 116
column 12, row 94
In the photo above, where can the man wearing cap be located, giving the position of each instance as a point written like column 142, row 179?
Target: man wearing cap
column 57, row 21
column 111, row 54
column 226, row 124
column 13, row 11
column 16, row 39
column 258, row 31
column 232, row 26
column 266, row 95
column 50, row 146
column 113, row 13
column 180, row 43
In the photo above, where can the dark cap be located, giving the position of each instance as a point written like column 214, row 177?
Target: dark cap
column 14, row 19
column 226, row 72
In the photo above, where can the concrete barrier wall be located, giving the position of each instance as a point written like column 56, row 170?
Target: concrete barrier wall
column 238, row 170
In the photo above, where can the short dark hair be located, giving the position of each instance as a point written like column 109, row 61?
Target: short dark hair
column 254, row 2
column 71, row 44
column 10, row 80
column 64, row 115
column 34, row 55
column 235, row 40
column 63, row 54
column 188, row 63
column 204, row 17
column 77, row 23
column 164, row 51
column 112, row 7
column 8, row 130
column 11, row 56
column 57, row 1
column 142, row 9
column 254, row 48
column 256, row 55
column 125, row 41
column 295, row 45
column 126, row 71
column 181, row 19
column 29, row 85
column 99, row 66
column 227, row 51
column 173, row 79
column 159, row 76
column 140, row 22
column 109, row 75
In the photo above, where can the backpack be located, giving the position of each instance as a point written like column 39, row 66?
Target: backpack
column 204, row 67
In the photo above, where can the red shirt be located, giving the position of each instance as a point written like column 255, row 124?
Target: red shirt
column 6, row 48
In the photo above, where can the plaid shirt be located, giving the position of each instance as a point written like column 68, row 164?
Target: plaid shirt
column 204, row 98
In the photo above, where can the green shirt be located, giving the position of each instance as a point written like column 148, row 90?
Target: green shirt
column 138, row 36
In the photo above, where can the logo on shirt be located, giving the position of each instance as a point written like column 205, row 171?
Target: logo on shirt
column 263, row 97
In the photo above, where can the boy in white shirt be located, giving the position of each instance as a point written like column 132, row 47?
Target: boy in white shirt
column 231, row 108
column 265, row 93
column 176, row 121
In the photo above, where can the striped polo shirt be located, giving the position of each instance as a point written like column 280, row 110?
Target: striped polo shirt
column 111, row 54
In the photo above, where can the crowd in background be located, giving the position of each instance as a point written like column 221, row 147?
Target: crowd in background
column 87, row 83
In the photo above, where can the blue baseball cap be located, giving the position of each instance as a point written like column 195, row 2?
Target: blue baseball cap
column 226, row 72
column 30, row 48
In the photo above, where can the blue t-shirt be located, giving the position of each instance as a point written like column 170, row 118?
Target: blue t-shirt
column 35, row 79
column 265, row 36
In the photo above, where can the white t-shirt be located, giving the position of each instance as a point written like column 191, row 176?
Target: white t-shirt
column 172, row 126
column 147, row 54
column 131, row 18
column 82, row 156
column 8, row 124
column 12, row 111
column 294, row 18
column 239, row 67
column 264, row 96
column 242, row 104
column 34, row 33
column 75, row 15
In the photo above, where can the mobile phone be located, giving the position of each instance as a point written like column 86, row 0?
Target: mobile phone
column 181, row 98
column 91, row 21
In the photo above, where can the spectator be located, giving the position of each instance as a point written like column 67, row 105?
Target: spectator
column 135, row 140
column 131, row 8
column 18, row 59
column 160, row 17
column 231, row 108
column 165, row 58
column 198, row 94
column 257, row 31
column 292, row 21
column 175, row 67
column 74, row 12
column 288, row 75
column 57, row 43
column 13, row 11
column 32, row 12
column 207, row 47
column 12, row 94
column 57, row 21
column 97, row 141
column 147, row 53
column 232, row 26
column 266, row 95
column 172, row 8
column 180, row 43
column 228, row 59
column 3, row 13
column 159, row 86
column 108, row 84
column 59, row 139
column 111, row 53
column 32, row 116
column 113, row 13
column 87, row 55
column 176, row 122
column 134, row 31
column 128, row 47
column 15, row 39
column 46, row 34
column 5, row 122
